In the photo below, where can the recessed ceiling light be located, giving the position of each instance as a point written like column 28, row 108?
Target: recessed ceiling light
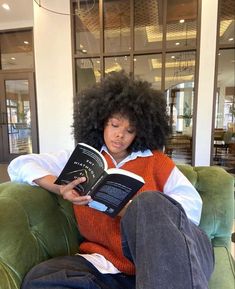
column 181, row 20
column 5, row 6
column 177, row 43
column 173, row 56
column 13, row 58
column 26, row 42
column 230, row 39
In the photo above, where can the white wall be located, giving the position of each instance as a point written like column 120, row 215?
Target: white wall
column 53, row 66
column 206, row 82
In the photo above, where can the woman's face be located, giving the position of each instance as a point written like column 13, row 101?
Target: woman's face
column 118, row 136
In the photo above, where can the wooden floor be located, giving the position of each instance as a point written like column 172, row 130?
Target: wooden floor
column 3, row 173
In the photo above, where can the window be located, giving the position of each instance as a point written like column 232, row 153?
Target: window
column 152, row 40
column 224, row 128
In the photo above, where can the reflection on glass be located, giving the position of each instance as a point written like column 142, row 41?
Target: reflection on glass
column 149, row 67
column 117, row 25
column 225, row 100
column 180, row 69
column 87, row 27
column 18, row 116
column 148, row 24
column 117, row 64
column 227, row 23
column 181, row 24
column 87, row 72
column 16, row 50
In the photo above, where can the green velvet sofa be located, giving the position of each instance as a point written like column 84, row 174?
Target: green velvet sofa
column 36, row 225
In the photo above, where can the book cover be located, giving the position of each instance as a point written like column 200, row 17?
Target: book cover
column 110, row 189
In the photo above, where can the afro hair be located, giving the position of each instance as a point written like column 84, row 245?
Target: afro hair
column 135, row 99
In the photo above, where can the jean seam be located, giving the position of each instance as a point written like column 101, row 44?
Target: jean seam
column 187, row 246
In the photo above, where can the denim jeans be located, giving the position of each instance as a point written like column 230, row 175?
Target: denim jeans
column 168, row 250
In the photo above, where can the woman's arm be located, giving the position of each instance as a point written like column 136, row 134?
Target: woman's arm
column 42, row 170
column 179, row 188
column 27, row 168
column 65, row 191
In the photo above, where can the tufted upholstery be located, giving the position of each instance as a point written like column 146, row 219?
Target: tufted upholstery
column 36, row 225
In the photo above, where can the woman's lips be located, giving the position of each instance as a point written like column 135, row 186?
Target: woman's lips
column 117, row 144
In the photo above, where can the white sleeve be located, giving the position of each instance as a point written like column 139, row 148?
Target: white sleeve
column 179, row 188
column 27, row 168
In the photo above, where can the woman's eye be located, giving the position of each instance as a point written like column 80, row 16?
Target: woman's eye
column 114, row 125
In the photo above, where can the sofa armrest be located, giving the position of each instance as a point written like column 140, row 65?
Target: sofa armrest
column 35, row 225
column 216, row 188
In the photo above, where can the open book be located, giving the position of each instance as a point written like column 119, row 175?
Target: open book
column 111, row 189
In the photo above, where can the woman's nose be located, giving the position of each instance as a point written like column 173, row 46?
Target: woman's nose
column 120, row 133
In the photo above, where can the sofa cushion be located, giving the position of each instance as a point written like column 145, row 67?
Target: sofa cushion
column 223, row 276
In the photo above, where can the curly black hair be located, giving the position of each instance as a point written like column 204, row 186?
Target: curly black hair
column 135, row 99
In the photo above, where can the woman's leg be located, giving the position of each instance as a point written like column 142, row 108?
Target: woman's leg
column 168, row 250
column 73, row 272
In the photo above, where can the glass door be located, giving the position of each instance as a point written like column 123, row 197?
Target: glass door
column 18, row 129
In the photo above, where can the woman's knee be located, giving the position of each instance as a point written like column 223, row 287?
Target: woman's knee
column 154, row 200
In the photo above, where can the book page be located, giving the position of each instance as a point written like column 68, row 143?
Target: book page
column 125, row 172
column 115, row 190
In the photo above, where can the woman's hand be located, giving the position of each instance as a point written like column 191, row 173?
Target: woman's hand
column 65, row 191
column 69, row 193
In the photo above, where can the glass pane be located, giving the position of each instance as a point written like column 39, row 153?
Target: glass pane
column 180, row 69
column 149, row 67
column 87, row 27
column 87, row 72
column 148, row 24
column 227, row 22
column 181, row 23
column 117, row 64
column 224, row 132
column 16, row 50
column 18, row 116
column 117, row 25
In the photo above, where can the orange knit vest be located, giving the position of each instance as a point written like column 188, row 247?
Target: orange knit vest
column 101, row 232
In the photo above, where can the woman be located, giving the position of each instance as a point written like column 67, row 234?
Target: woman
column 155, row 241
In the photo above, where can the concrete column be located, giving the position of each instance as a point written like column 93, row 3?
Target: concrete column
column 206, row 82
column 53, row 66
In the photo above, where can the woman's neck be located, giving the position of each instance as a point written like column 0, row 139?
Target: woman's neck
column 118, row 158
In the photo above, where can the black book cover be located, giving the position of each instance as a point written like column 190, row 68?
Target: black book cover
column 110, row 189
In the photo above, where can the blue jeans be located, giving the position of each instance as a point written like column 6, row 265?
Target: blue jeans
column 168, row 250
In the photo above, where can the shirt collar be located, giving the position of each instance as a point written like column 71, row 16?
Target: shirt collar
column 130, row 157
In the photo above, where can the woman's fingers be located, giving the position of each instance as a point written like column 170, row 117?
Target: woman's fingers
column 69, row 193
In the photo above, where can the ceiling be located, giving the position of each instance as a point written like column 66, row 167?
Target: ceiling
column 21, row 10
